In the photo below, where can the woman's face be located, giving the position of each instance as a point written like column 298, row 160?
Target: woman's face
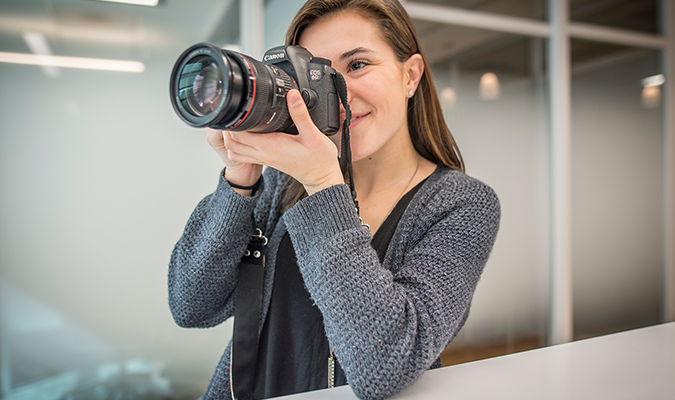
column 377, row 82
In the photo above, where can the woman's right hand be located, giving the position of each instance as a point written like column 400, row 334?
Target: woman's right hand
column 235, row 172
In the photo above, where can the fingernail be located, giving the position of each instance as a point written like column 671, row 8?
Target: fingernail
column 295, row 98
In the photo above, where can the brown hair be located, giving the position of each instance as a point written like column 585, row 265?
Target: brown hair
column 429, row 133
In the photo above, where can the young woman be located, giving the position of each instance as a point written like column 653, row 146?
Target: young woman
column 383, row 302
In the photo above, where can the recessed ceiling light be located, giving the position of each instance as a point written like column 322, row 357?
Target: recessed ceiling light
column 489, row 87
column 73, row 62
column 149, row 3
column 655, row 80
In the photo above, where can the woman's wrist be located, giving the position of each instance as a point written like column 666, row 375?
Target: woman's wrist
column 330, row 180
column 252, row 187
column 245, row 181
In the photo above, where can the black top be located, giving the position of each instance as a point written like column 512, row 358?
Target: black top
column 293, row 349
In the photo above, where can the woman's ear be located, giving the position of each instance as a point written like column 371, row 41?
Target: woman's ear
column 414, row 69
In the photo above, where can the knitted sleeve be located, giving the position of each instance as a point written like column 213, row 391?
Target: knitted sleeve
column 203, row 267
column 387, row 327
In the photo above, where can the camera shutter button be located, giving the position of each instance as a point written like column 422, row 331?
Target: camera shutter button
column 310, row 97
column 321, row 60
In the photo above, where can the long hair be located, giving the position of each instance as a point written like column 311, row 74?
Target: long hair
column 429, row 133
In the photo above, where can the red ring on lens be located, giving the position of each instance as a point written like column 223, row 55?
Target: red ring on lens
column 252, row 95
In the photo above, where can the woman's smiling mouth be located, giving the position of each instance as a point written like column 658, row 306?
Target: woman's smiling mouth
column 356, row 119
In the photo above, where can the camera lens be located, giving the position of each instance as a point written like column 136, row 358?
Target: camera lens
column 201, row 85
column 223, row 89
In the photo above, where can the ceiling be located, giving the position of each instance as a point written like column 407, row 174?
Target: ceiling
column 89, row 28
column 516, row 56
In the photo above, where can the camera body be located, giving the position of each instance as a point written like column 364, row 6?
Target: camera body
column 224, row 89
column 314, row 81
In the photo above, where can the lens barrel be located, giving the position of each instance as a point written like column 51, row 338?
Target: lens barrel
column 223, row 89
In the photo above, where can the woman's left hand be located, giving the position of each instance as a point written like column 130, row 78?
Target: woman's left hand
column 310, row 157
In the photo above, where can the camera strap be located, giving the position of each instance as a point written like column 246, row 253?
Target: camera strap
column 346, row 148
column 248, row 308
column 247, row 313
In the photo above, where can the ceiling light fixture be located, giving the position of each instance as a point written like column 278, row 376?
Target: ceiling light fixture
column 654, row 80
column 73, row 62
column 449, row 97
column 489, row 87
column 149, row 3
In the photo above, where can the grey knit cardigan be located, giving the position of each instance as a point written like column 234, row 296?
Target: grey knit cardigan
column 387, row 322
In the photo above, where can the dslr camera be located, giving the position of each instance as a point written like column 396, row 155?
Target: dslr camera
column 224, row 89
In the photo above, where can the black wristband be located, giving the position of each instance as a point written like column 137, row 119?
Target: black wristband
column 252, row 187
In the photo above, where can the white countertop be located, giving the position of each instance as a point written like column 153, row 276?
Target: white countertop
column 637, row 364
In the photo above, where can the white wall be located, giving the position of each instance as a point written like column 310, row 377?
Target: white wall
column 98, row 178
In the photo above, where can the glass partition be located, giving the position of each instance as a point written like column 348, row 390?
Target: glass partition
column 493, row 89
column 617, row 139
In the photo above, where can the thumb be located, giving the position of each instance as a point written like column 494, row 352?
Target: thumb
column 298, row 111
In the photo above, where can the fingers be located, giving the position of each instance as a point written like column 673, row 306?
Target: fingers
column 232, row 152
column 242, row 159
column 298, row 111
column 307, row 156
column 228, row 140
column 239, row 151
column 215, row 139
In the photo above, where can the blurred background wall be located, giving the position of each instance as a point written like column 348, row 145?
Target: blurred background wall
column 98, row 177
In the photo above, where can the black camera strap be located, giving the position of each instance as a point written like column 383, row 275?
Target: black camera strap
column 346, row 148
column 248, row 308
column 247, row 313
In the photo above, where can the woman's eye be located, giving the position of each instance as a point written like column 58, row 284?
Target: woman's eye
column 356, row 65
